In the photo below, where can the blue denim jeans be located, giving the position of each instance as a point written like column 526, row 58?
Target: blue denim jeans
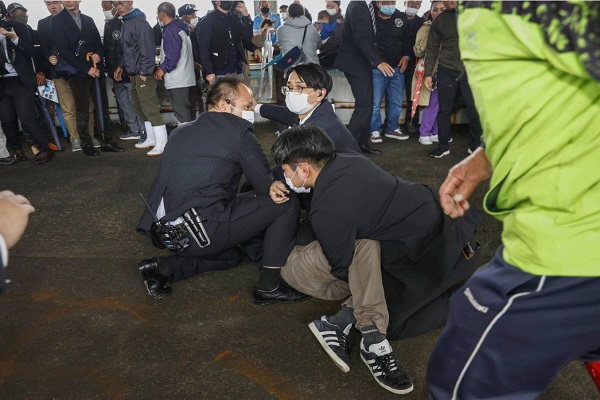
column 393, row 86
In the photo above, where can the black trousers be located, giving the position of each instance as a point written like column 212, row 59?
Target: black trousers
column 17, row 102
column 360, row 122
column 408, row 79
column 278, row 222
column 449, row 83
column 84, row 87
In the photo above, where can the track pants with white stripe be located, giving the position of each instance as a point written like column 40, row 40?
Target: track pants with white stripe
column 509, row 333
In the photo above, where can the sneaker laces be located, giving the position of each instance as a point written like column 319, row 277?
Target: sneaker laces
column 390, row 364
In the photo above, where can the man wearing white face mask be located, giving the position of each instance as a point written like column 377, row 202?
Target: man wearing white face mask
column 187, row 13
column 201, row 170
column 306, row 104
column 412, row 24
column 399, row 292
column 113, row 52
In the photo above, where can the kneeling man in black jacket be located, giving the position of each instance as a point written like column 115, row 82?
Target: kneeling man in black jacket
column 381, row 240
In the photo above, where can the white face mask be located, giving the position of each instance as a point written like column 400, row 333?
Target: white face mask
column 109, row 15
column 411, row 11
column 298, row 103
column 283, row 15
column 300, row 189
column 194, row 22
column 331, row 11
column 247, row 115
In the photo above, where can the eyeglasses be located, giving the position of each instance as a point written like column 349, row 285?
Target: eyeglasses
column 294, row 89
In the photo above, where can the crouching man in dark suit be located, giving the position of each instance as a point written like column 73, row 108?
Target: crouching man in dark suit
column 398, row 280
column 201, row 170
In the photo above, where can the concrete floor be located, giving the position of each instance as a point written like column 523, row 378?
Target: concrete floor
column 76, row 322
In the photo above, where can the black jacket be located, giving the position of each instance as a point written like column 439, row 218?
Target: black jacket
column 391, row 38
column 442, row 43
column 421, row 248
column 139, row 50
column 358, row 54
column 73, row 44
column 113, row 46
column 22, row 52
column 45, row 39
column 411, row 28
column 213, row 39
column 202, row 165
column 324, row 117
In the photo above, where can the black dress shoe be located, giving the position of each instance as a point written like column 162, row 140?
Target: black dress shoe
column 154, row 281
column 365, row 148
column 412, row 129
column 112, row 147
column 43, row 157
column 20, row 156
column 89, row 150
column 283, row 293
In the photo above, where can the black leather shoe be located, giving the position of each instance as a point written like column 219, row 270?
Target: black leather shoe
column 412, row 129
column 20, row 156
column 89, row 150
column 43, row 157
column 154, row 281
column 365, row 148
column 283, row 293
column 111, row 147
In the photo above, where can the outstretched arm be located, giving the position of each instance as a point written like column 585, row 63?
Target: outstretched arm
column 462, row 180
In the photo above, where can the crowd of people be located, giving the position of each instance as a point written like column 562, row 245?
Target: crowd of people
column 183, row 53
column 400, row 254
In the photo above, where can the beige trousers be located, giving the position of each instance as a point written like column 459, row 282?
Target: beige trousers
column 67, row 105
column 308, row 271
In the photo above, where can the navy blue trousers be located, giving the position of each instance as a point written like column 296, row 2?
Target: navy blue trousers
column 510, row 333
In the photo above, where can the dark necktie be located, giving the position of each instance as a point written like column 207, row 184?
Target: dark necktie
column 3, row 59
column 372, row 12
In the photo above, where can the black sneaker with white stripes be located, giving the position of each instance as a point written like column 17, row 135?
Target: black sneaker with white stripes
column 385, row 368
column 334, row 341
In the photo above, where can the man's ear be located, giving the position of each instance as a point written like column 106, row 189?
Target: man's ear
column 223, row 105
column 322, row 94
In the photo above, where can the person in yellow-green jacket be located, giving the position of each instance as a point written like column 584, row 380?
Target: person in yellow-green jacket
column 534, row 68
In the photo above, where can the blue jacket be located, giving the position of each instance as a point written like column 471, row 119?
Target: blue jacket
column 259, row 19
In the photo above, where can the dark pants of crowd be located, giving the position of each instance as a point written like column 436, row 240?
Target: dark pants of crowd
column 84, row 87
column 17, row 102
column 360, row 122
column 183, row 101
column 510, row 333
column 449, row 83
column 408, row 80
column 277, row 221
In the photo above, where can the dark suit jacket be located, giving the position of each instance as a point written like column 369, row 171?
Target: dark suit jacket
column 23, row 52
column 45, row 38
column 67, row 38
column 358, row 54
column 324, row 117
column 202, row 165
column 420, row 246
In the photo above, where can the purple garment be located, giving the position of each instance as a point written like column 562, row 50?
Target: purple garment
column 172, row 43
column 429, row 117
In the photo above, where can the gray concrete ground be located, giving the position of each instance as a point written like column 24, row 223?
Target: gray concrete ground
column 76, row 322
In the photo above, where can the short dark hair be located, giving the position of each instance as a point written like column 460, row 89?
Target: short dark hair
column 303, row 143
column 167, row 8
column 266, row 21
column 314, row 75
column 283, row 6
column 295, row 10
column 226, row 88
column 323, row 14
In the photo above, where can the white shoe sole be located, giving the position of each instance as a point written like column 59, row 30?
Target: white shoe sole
column 447, row 152
column 426, row 143
column 397, row 391
column 336, row 360
column 396, row 137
